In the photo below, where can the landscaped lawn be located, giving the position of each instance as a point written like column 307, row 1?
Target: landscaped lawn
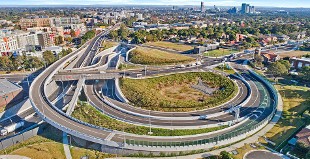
column 148, row 56
column 175, row 93
column 295, row 101
column 170, row 45
column 246, row 148
column 46, row 150
column 89, row 114
column 219, row 52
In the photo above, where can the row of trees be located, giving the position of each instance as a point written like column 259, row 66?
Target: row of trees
column 50, row 58
column 87, row 36
column 282, row 67
column 24, row 62
column 20, row 63
column 226, row 33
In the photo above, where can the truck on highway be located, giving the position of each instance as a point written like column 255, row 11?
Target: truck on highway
column 11, row 128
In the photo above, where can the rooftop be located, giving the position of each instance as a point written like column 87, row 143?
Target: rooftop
column 302, row 59
column 7, row 87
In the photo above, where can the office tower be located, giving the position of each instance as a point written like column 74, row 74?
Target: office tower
column 247, row 8
column 202, row 7
column 243, row 8
column 252, row 9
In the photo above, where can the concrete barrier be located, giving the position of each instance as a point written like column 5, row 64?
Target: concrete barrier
column 118, row 91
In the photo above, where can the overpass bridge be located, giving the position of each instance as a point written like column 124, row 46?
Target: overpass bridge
column 86, row 76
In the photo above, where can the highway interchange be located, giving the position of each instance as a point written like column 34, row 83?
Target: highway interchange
column 257, row 105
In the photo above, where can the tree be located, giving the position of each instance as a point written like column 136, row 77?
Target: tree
column 88, row 35
column 123, row 32
column 49, row 57
column 5, row 63
column 226, row 155
column 286, row 63
column 306, row 73
column 59, row 40
column 258, row 60
column 113, row 34
column 17, row 62
column 277, row 69
column 33, row 62
column 250, row 40
column 72, row 33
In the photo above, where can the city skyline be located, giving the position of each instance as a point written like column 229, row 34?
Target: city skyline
column 261, row 3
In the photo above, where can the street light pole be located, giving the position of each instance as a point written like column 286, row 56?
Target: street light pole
column 145, row 71
column 150, row 132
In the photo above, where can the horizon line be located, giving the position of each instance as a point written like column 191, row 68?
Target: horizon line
column 36, row 5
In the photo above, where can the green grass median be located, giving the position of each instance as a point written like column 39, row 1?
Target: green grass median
column 89, row 114
column 174, row 93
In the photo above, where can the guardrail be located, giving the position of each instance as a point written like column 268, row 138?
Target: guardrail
column 127, row 53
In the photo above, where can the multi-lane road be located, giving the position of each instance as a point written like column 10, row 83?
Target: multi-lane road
column 255, row 110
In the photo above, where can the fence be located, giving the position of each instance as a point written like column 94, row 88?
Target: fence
column 22, row 136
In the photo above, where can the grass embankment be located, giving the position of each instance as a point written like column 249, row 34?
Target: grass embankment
column 296, row 101
column 148, row 56
column 48, row 145
column 175, row 93
column 219, row 52
column 128, row 66
column 107, row 44
column 91, row 115
column 170, row 45
column 14, row 72
column 226, row 70
column 77, row 152
column 293, row 54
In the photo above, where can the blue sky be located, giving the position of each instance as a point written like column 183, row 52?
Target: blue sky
column 274, row 3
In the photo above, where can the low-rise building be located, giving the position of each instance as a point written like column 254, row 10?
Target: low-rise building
column 45, row 39
column 303, row 137
column 298, row 63
column 270, row 57
column 10, row 93
column 34, row 22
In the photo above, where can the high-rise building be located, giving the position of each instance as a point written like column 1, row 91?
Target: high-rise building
column 252, row 9
column 246, row 8
column 202, row 7
column 243, row 8
column 233, row 10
